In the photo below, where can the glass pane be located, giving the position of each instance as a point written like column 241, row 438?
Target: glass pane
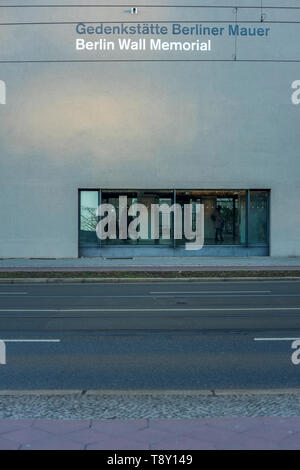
column 88, row 217
column 224, row 215
column 258, row 217
column 241, row 211
column 147, row 198
column 187, row 198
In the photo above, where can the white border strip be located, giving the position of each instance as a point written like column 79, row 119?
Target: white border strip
column 276, row 339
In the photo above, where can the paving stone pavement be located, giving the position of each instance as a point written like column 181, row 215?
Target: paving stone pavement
column 150, row 421
column 256, row 433
column 147, row 405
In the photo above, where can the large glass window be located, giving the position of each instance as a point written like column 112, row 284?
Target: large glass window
column 147, row 198
column 231, row 217
column 88, row 217
column 224, row 215
column 258, row 217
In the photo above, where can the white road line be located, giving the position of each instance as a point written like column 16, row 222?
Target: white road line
column 275, row 339
column 150, row 309
column 31, row 340
column 217, row 292
column 13, row 293
column 4, row 341
column 2, row 353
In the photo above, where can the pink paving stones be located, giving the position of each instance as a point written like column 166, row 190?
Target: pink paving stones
column 87, row 436
column 112, row 443
column 273, row 433
column 53, row 443
column 291, row 423
column 274, row 429
column 246, row 443
column 5, row 444
column 59, row 426
column 234, row 424
column 176, row 426
column 9, row 425
column 119, row 427
column 149, row 436
column 26, row 436
column 183, row 443
column 210, row 434
column 290, row 443
column 213, row 433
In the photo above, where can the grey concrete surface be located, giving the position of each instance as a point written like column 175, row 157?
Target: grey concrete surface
column 143, row 263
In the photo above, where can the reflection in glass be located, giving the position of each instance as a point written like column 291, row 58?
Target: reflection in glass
column 147, row 198
column 88, row 217
column 258, row 218
column 224, row 215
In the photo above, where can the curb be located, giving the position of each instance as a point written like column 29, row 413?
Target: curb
column 207, row 393
column 71, row 280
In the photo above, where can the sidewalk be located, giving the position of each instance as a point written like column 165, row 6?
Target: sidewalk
column 146, row 434
column 152, row 264
column 115, row 420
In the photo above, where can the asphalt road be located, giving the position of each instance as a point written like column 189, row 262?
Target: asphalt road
column 162, row 336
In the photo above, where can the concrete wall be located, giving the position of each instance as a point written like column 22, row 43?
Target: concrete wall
column 200, row 125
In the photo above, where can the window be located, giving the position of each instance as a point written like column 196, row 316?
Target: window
column 258, row 217
column 88, row 219
column 231, row 217
column 141, row 197
column 230, row 208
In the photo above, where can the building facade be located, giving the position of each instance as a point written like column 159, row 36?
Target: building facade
column 221, row 130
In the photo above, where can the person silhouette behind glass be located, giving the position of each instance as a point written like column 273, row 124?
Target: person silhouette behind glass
column 218, row 224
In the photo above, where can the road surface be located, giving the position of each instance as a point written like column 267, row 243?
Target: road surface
column 153, row 335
